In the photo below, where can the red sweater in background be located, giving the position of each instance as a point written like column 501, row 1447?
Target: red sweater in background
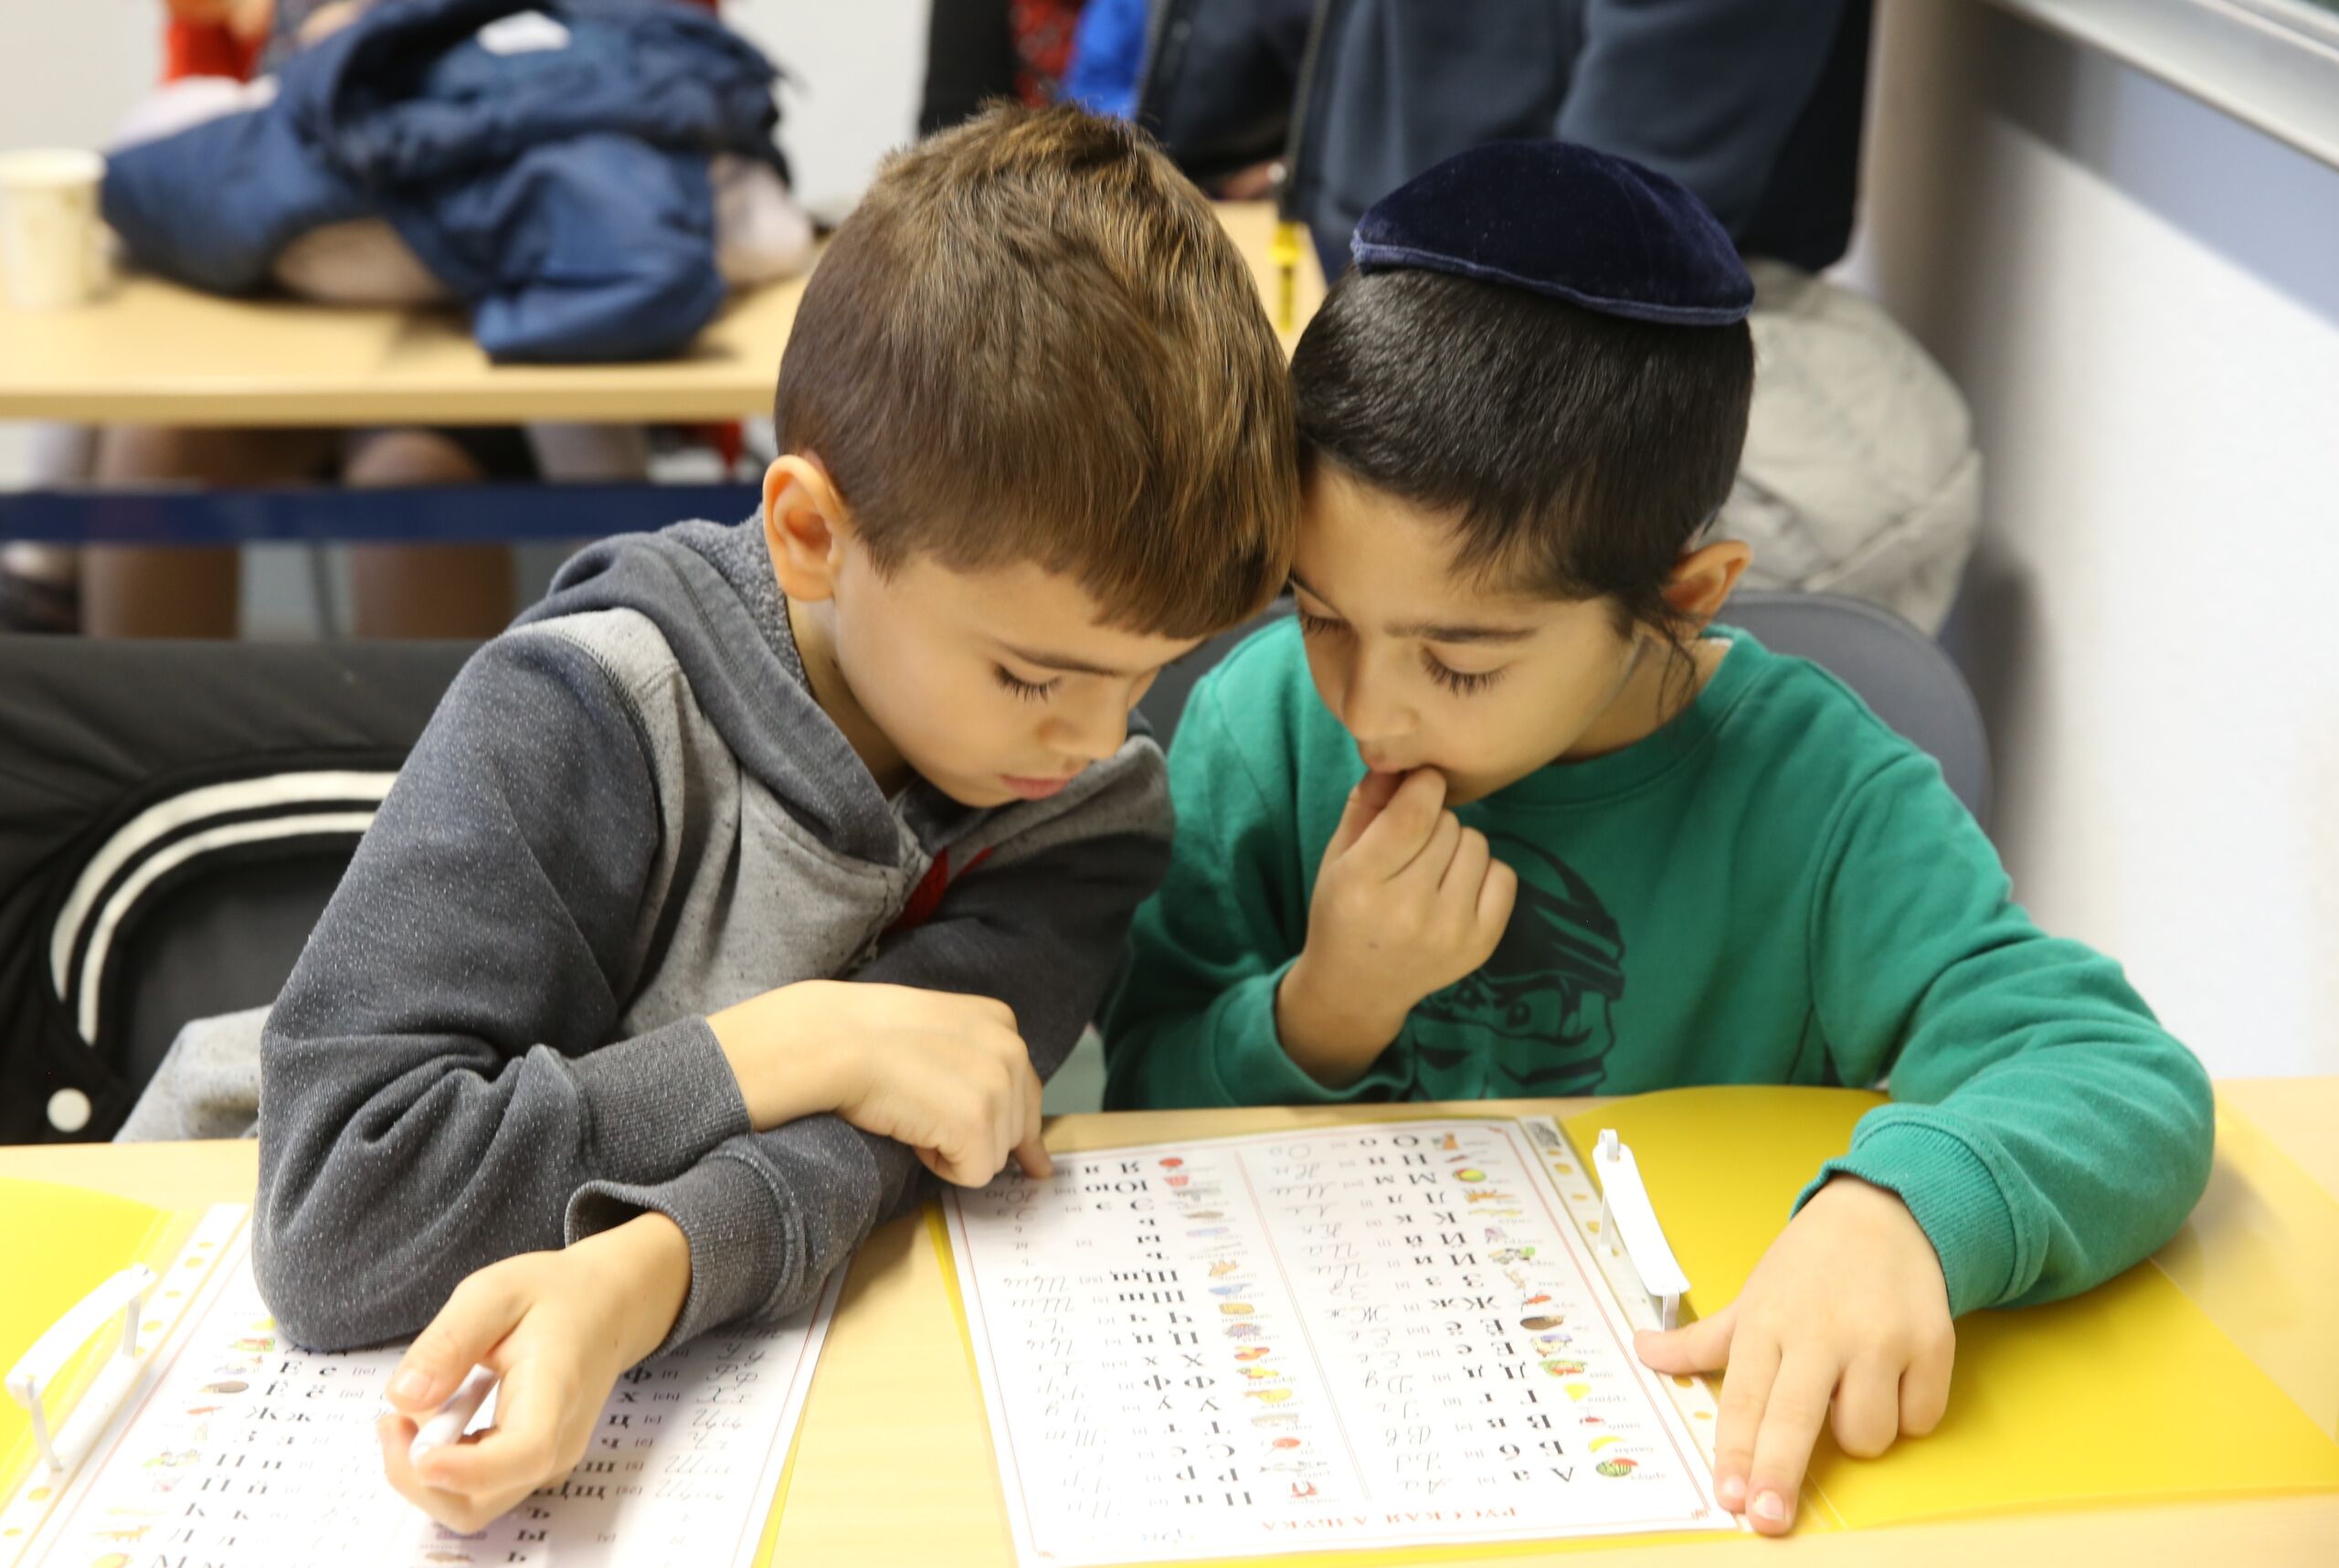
column 206, row 48
column 210, row 49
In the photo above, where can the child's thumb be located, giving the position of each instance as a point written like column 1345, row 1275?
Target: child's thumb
column 481, row 1311
column 1699, row 1347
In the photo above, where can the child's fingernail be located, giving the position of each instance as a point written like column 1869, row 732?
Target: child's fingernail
column 410, row 1384
column 1733, row 1491
column 1769, row 1505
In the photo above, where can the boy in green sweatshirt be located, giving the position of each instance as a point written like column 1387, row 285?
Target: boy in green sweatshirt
column 1504, row 812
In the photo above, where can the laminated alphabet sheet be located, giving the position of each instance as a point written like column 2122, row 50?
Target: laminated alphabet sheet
column 1362, row 1337
column 235, row 1450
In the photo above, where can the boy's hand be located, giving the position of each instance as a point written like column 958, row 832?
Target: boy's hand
column 1848, row 1306
column 1407, row 902
column 947, row 1074
column 557, row 1327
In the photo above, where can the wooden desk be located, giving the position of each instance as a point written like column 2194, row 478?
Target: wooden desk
column 893, row 1463
column 152, row 352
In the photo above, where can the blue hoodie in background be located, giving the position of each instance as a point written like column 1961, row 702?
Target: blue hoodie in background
column 1108, row 56
column 561, row 192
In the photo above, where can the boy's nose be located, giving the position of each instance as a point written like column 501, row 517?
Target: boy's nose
column 1091, row 736
column 1369, row 714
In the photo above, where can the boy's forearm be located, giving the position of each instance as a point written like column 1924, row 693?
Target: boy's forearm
column 770, row 1215
column 2045, row 1130
column 787, row 1065
column 373, row 1178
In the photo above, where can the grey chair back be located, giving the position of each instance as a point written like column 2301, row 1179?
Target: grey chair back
column 1899, row 673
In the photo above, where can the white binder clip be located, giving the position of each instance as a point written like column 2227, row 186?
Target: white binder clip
column 1627, row 1216
column 38, row 1367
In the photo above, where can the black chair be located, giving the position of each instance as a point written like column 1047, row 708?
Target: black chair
column 173, row 818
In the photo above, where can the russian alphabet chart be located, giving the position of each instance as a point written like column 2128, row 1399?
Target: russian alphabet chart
column 234, row 1450
column 1373, row 1336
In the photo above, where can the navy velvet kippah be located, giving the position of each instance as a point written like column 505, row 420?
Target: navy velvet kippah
column 1563, row 220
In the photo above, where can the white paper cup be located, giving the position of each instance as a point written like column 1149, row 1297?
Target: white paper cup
column 49, row 232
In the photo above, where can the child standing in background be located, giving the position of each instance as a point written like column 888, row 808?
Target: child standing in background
column 1503, row 813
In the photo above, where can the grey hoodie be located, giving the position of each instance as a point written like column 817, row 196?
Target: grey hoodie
column 629, row 813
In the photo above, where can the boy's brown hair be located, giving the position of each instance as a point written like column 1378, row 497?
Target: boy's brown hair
column 1032, row 341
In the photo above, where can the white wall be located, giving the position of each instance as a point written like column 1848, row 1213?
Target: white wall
column 2141, row 297
column 68, row 71
column 855, row 70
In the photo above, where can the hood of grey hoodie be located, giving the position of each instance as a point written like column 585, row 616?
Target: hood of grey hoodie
column 710, row 589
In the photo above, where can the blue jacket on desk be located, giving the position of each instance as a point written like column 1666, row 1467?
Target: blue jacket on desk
column 552, row 172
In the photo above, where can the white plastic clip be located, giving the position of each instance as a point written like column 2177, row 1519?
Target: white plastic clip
column 38, row 1367
column 1627, row 1216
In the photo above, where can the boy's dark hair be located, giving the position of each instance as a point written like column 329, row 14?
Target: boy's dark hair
column 1577, row 454
column 1032, row 341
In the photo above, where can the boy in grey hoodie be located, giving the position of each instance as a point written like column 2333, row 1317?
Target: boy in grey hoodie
column 760, row 867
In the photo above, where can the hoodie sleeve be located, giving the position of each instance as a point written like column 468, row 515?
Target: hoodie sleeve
column 1038, row 925
column 1706, row 91
column 438, row 1078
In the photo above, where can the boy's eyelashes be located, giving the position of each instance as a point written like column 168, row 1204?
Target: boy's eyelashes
column 1040, row 691
column 1026, row 690
column 1461, row 683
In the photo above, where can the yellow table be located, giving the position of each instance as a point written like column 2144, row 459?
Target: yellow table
column 154, row 352
column 893, row 1463
column 894, row 1457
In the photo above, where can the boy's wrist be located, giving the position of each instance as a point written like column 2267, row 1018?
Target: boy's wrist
column 787, row 1060
column 645, row 1265
column 1332, row 1032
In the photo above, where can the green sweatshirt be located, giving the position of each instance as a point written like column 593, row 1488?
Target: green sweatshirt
column 1774, row 888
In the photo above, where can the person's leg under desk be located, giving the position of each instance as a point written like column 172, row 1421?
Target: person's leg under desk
column 425, row 590
column 183, row 590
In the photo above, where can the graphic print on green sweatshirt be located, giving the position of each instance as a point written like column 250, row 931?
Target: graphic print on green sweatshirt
column 1547, row 1001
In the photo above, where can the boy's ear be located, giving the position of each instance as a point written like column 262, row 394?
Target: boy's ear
column 806, row 524
column 1703, row 577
